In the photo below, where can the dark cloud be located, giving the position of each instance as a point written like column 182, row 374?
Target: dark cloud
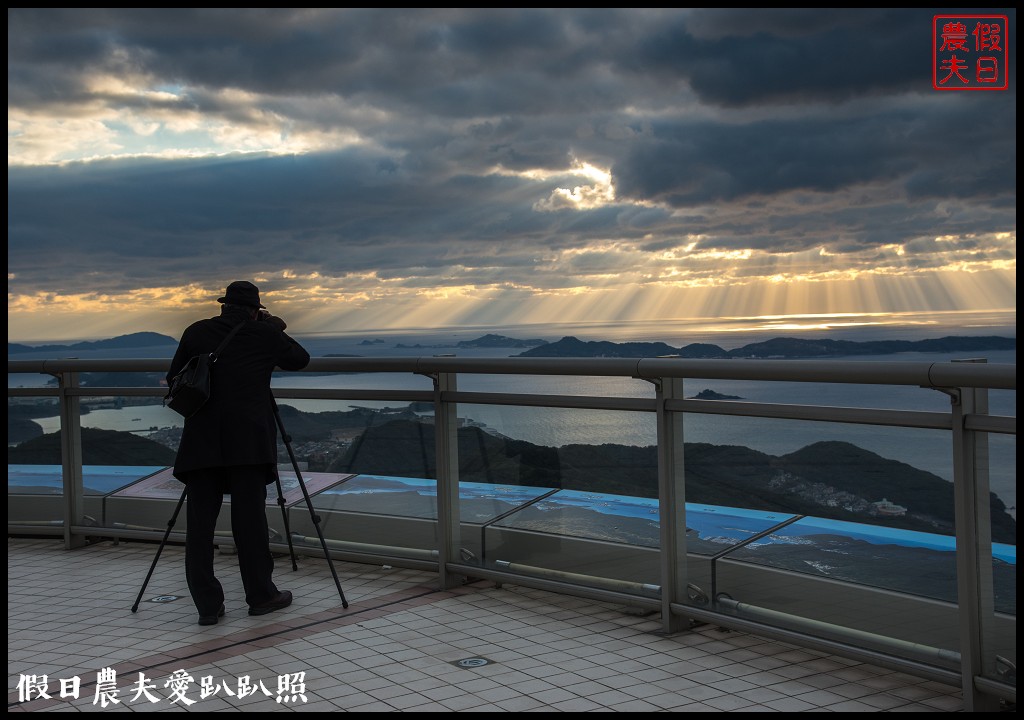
column 184, row 222
column 471, row 62
column 773, row 131
column 954, row 149
column 740, row 57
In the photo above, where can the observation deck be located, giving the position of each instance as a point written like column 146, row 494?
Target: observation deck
column 513, row 595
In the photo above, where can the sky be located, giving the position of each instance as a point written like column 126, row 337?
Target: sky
column 420, row 168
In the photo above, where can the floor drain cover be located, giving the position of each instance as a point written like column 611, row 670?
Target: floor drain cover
column 472, row 662
column 163, row 599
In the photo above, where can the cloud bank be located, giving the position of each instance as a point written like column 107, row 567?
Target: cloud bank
column 366, row 165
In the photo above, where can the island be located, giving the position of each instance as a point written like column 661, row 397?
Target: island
column 775, row 348
column 708, row 394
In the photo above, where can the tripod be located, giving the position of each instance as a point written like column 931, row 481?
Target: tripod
column 309, row 503
column 280, row 501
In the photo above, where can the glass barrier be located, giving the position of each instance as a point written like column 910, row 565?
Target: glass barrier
column 834, row 528
column 593, row 514
column 125, row 439
column 999, row 646
column 873, row 517
column 337, row 445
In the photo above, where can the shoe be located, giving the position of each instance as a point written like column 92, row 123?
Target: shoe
column 212, row 619
column 282, row 600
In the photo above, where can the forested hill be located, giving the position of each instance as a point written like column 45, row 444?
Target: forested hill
column 835, row 480
column 99, row 447
column 827, row 479
column 126, row 342
column 781, row 347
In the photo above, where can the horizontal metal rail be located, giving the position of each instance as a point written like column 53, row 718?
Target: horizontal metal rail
column 33, row 392
column 342, row 394
column 922, row 374
column 817, row 413
column 991, row 423
column 862, row 416
column 568, row 584
column 811, row 639
column 582, row 402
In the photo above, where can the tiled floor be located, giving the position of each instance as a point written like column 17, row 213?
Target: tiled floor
column 397, row 647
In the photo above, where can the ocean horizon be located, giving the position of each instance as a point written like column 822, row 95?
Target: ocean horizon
column 726, row 331
column 928, row 450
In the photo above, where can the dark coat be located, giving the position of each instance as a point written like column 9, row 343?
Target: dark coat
column 236, row 426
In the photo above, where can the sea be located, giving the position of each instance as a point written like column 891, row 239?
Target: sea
column 929, row 450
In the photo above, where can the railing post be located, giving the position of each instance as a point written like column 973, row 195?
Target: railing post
column 71, row 458
column 975, row 592
column 446, row 448
column 671, row 505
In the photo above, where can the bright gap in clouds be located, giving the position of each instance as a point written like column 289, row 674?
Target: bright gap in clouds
column 324, row 307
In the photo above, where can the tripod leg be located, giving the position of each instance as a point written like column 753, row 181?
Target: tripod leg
column 287, row 530
column 170, row 526
column 309, row 503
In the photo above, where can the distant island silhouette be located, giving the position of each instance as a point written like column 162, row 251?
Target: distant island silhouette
column 127, row 342
column 484, row 341
column 781, row 347
column 570, row 346
column 709, row 394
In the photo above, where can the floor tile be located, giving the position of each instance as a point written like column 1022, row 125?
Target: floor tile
column 393, row 649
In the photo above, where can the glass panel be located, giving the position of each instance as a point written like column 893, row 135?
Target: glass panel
column 872, row 553
column 96, row 479
column 593, row 518
column 120, row 446
column 117, row 430
column 1000, row 641
column 711, row 529
column 368, row 472
column 34, row 483
column 413, row 497
column 23, row 412
column 927, row 450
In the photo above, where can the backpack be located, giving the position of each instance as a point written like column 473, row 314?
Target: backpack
column 189, row 390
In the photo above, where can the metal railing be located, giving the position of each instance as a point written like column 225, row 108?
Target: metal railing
column 968, row 423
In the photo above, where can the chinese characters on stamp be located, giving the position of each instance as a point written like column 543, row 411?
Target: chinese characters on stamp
column 969, row 52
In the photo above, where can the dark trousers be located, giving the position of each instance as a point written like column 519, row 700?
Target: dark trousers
column 246, row 484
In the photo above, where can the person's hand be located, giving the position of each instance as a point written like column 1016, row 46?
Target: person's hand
column 263, row 315
column 276, row 322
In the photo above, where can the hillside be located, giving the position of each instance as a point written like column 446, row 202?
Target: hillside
column 830, row 479
column 99, row 447
column 835, row 480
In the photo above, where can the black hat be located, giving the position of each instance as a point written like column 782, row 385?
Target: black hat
column 242, row 292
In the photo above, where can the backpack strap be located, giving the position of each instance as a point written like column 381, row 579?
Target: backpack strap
column 217, row 352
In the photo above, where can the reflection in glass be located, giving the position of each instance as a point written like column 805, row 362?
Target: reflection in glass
column 417, row 498
column 96, row 479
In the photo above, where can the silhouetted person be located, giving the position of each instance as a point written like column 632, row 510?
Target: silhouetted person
column 229, row 447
